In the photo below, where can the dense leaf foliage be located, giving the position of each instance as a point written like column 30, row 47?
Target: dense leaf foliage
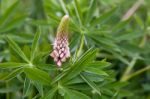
column 109, row 42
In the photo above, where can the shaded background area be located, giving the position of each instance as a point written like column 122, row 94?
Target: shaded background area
column 119, row 28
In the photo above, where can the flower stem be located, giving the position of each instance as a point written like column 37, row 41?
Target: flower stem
column 128, row 70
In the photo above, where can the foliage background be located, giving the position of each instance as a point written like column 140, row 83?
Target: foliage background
column 125, row 43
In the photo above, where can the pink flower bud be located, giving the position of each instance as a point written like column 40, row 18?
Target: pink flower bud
column 61, row 49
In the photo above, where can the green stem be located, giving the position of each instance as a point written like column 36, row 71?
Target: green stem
column 128, row 69
column 138, row 72
column 81, row 46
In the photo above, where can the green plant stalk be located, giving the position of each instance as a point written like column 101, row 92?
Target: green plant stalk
column 128, row 69
column 138, row 72
column 81, row 46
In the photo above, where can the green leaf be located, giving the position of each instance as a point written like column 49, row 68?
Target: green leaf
column 58, row 77
column 73, row 94
column 91, row 10
column 78, row 11
column 35, row 44
column 39, row 87
column 95, row 71
column 120, row 57
column 92, row 77
column 27, row 51
column 47, row 66
column 117, row 85
column 125, row 93
column 26, row 87
column 13, row 74
column 38, row 75
column 13, row 23
column 53, row 17
column 81, row 62
column 8, row 13
column 105, row 42
column 41, row 57
column 120, row 26
column 80, row 87
column 129, row 36
column 98, row 64
column 103, row 18
column 37, row 96
column 91, row 84
column 11, row 65
column 17, row 49
column 51, row 93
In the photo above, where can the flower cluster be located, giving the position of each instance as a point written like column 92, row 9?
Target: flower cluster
column 61, row 49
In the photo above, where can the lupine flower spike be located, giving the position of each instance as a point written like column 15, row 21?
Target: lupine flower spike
column 60, row 48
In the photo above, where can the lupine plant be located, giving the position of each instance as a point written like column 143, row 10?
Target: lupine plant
column 74, row 49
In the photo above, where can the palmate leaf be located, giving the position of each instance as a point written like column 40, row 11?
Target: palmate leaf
column 38, row 75
column 80, row 63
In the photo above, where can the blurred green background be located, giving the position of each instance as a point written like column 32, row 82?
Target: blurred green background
column 119, row 28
